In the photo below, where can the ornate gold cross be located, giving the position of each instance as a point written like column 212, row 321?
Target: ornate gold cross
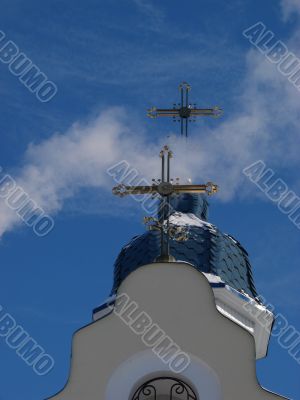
column 165, row 187
column 184, row 112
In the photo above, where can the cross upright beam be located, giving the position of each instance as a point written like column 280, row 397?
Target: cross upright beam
column 165, row 183
column 184, row 112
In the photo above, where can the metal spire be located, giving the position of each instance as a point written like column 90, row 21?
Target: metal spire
column 184, row 112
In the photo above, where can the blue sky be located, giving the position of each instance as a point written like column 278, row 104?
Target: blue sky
column 111, row 60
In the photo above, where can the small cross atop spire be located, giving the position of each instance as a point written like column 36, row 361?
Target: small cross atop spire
column 184, row 112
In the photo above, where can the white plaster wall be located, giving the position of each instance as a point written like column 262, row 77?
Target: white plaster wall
column 109, row 360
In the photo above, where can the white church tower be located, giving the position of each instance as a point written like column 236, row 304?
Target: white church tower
column 183, row 321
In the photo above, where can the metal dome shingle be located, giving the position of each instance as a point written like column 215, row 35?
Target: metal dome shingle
column 207, row 249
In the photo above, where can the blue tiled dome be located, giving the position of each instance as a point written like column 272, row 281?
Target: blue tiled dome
column 207, row 249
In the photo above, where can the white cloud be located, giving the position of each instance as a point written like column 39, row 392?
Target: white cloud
column 153, row 12
column 290, row 7
column 56, row 169
column 265, row 126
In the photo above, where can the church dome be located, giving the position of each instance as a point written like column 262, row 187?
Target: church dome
column 207, row 249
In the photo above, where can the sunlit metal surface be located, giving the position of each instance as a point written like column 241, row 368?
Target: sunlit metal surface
column 165, row 188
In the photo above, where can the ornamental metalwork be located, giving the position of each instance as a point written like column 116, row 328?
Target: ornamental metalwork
column 165, row 389
column 184, row 112
column 165, row 188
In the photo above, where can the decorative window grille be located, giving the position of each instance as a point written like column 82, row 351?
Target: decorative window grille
column 164, row 389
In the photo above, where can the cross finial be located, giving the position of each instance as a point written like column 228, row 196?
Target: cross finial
column 184, row 112
column 165, row 188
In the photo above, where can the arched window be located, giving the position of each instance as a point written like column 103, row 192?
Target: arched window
column 164, row 389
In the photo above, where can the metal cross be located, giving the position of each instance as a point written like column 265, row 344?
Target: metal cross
column 184, row 112
column 165, row 188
